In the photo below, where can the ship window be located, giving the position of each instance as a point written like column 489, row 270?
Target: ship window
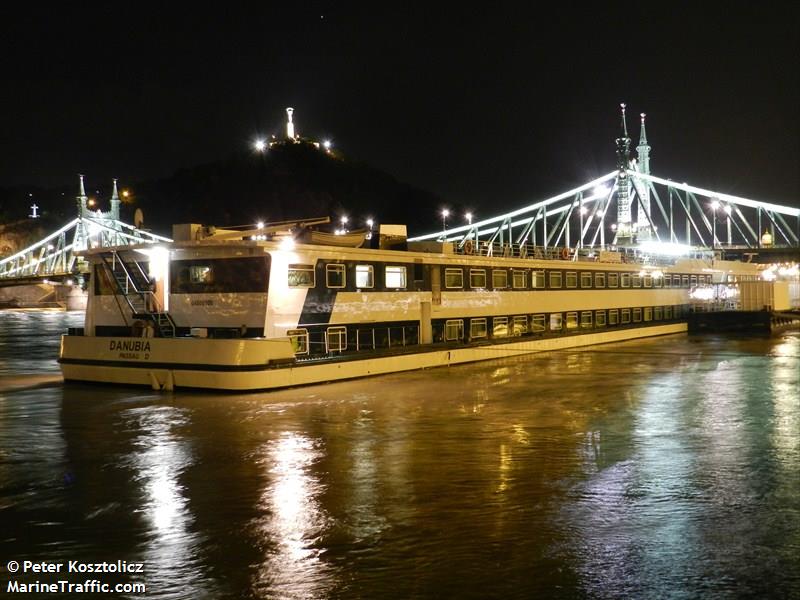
column 678, row 311
column 626, row 315
column 648, row 281
column 555, row 279
column 364, row 277
column 586, row 319
column 519, row 325
column 637, row 280
column 599, row 280
column 586, row 280
column 201, row 274
column 301, row 276
column 299, row 339
column 658, row 281
column 694, row 280
column 625, row 280
column 613, row 316
column 600, row 318
column 336, row 338
column 453, row 329
column 648, row 314
column 572, row 320
column 572, row 279
column 613, row 280
column 657, row 313
column 454, row 278
column 537, row 280
column 220, row 275
column 555, row 322
column 685, row 281
column 396, row 277
column 667, row 312
column 500, row 327
column 667, row 281
column 477, row 328
column 519, row 279
column 499, row 279
column 637, row 315
column 477, row 278
column 335, row 276
column 537, row 323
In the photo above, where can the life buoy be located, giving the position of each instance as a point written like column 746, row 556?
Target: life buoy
column 469, row 247
column 565, row 254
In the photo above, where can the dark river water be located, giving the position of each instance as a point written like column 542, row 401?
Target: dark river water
column 664, row 468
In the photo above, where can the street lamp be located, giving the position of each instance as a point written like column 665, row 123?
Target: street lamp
column 445, row 214
column 260, row 145
column 714, row 207
column 469, row 218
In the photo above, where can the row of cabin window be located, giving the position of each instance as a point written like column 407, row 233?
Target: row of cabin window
column 394, row 276
column 336, row 337
column 454, row 279
column 587, row 319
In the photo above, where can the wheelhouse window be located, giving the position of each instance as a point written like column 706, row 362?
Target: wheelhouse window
column 365, row 277
column 299, row 339
column 336, row 339
column 599, row 280
column 556, row 322
column 395, row 277
column 586, row 319
column 586, row 280
column 538, row 323
column 499, row 279
column 477, row 328
column 500, row 327
column 613, row 280
column 555, row 279
column 625, row 280
column 454, row 279
column 477, row 278
column 518, row 279
column 301, row 276
column 572, row 320
column 519, row 325
column 572, row 279
column 335, row 276
column 537, row 280
column 453, row 330
column 613, row 316
column 600, row 318
column 220, row 275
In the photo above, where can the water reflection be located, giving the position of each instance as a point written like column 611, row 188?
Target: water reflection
column 294, row 520
column 159, row 458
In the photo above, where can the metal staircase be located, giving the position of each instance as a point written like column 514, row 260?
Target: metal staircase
column 133, row 284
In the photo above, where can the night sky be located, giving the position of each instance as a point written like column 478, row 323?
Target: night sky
column 487, row 108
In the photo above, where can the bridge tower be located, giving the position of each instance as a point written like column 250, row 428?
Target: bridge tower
column 624, row 225
column 82, row 200
column 115, row 203
column 643, row 190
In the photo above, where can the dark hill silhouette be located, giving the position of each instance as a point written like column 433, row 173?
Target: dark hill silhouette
column 292, row 180
column 286, row 182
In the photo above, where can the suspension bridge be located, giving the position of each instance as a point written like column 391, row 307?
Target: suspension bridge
column 653, row 214
column 56, row 257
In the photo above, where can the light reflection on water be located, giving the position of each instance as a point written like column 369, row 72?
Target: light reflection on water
column 651, row 469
